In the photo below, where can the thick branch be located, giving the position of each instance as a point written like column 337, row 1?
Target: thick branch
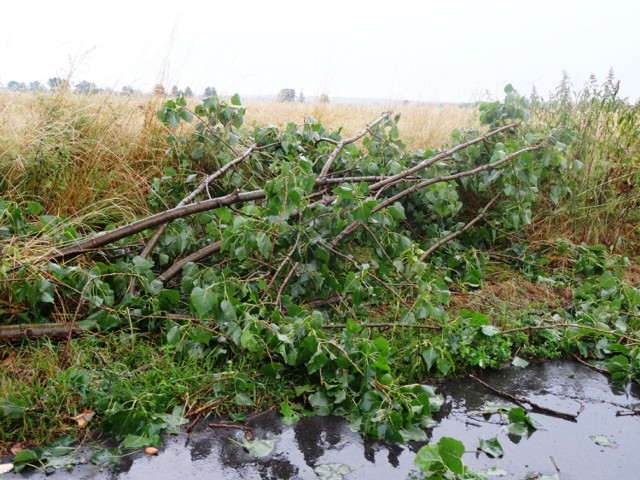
column 15, row 333
column 106, row 238
column 340, row 145
column 448, row 238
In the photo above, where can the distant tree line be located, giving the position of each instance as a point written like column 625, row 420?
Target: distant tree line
column 86, row 87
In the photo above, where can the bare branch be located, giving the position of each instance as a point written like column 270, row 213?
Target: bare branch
column 448, row 238
column 196, row 256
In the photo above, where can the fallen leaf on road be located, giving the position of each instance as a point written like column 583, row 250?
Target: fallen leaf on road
column 83, row 418
column 151, row 451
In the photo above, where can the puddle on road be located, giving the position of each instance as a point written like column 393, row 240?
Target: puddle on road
column 313, row 441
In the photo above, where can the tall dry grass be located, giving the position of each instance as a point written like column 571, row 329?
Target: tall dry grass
column 604, row 206
column 79, row 154
column 421, row 125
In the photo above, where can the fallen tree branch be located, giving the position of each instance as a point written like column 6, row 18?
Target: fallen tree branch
column 105, row 238
column 15, row 333
column 397, row 178
column 138, row 226
column 448, row 238
column 385, row 325
column 519, row 400
column 418, row 186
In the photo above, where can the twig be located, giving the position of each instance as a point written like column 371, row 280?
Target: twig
column 205, row 407
column 385, row 325
column 282, row 264
column 593, row 367
column 448, row 238
column 340, row 145
column 193, row 423
column 284, row 284
column 323, row 302
column 519, row 400
column 65, row 353
column 237, row 426
column 627, row 412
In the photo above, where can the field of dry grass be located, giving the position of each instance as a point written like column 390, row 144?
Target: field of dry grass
column 421, row 125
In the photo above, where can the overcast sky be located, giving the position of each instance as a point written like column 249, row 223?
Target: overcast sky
column 397, row 49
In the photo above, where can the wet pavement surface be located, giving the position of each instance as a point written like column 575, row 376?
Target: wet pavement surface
column 560, row 447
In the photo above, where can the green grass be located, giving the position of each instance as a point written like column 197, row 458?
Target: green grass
column 112, row 373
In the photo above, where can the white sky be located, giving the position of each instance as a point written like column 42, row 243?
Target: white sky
column 402, row 49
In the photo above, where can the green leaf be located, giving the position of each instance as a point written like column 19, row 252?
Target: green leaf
column 106, row 457
column 619, row 363
column 519, row 362
column 264, row 244
column 249, row 341
column 491, row 447
column 243, row 399
column 490, row 330
column 428, row 459
column 34, row 208
column 602, row 440
column 203, row 300
column 413, row 433
column 26, row 456
column 320, row 402
column 259, row 448
column 289, row 416
column 12, row 407
column 235, row 100
column 517, row 415
column 228, row 310
column 430, row 356
column 495, row 472
column 332, row 471
column 519, row 429
column 139, row 441
column 451, row 451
